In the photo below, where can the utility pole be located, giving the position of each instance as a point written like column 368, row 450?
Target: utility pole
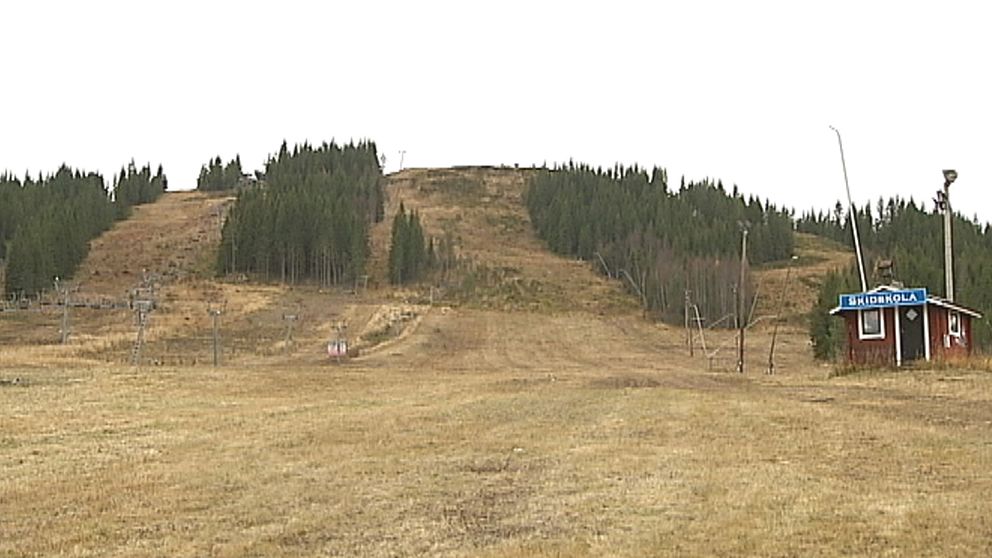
column 215, row 314
column 949, row 177
column 688, row 328
column 741, row 319
column 142, row 302
column 854, row 221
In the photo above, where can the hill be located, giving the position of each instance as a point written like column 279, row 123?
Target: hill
column 482, row 209
column 174, row 239
column 530, row 411
column 503, row 267
column 790, row 289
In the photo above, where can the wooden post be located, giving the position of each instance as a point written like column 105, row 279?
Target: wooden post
column 741, row 318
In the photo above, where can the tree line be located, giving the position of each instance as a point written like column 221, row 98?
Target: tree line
column 310, row 218
column 134, row 186
column 215, row 175
column 661, row 243
column 46, row 222
column 905, row 234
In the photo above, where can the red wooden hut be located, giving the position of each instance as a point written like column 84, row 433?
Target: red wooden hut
column 892, row 326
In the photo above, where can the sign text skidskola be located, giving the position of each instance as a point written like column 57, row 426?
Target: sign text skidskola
column 859, row 301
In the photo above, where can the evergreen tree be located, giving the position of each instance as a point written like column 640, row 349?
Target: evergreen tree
column 660, row 243
column 310, row 217
column 410, row 257
column 134, row 186
column 46, row 225
column 397, row 248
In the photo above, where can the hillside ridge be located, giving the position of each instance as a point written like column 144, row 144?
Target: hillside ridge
column 504, row 268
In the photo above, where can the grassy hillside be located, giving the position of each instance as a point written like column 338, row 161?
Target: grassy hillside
column 529, row 412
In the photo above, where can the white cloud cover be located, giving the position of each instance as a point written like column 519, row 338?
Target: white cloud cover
column 741, row 91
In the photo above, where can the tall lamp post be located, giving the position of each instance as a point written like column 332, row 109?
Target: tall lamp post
column 854, row 221
column 944, row 199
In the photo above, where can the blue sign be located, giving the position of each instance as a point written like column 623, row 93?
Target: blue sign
column 883, row 299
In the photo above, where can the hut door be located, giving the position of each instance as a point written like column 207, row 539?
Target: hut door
column 911, row 332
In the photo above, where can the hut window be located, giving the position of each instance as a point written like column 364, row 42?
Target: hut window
column 954, row 323
column 871, row 324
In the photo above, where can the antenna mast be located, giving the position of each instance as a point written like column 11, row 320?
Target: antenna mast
column 854, row 222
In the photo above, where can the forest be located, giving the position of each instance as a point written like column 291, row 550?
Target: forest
column 661, row 243
column 46, row 222
column 902, row 232
column 216, row 176
column 134, row 186
column 409, row 256
column 310, row 219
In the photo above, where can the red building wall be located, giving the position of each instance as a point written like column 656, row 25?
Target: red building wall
column 881, row 352
column 960, row 346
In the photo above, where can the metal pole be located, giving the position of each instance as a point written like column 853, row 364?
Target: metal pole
column 741, row 320
column 854, row 222
column 215, row 314
column 948, row 261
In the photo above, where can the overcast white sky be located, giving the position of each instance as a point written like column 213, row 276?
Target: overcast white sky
column 741, row 91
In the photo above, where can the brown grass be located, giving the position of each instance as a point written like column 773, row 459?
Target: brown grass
column 483, row 209
column 174, row 238
column 482, row 434
column 792, row 293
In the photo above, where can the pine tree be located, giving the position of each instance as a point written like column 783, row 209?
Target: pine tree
column 46, row 224
column 824, row 328
column 659, row 238
column 310, row 217
column 397, row 248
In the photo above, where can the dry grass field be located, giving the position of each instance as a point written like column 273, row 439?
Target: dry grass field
column 545, row 419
